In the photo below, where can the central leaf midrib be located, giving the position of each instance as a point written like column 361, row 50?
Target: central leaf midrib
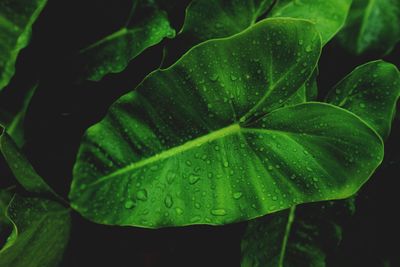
column 223, row 132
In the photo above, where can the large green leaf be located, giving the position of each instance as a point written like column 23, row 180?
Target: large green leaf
column 371, row 91
column 113, row 52
column 16, row 19
column 20, row 166
column 372, row 26
column 328, row 15
column 300, row 236
column 40, row 234
column 200, row 142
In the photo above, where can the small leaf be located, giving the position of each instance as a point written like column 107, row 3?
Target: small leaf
column 112, row 53
column 16, row 20
column 372, row 26
column 301, row 236
column 211, row 126
column 328, row 15
column 40, row 234
column 20, row 166
column 371, row 91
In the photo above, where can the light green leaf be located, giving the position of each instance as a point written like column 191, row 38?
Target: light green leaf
column 20, row 166
column 16, row 20
column 371, row 91
column 205, row 141
column 372, row 26
column 300, row 236
column 113, row 52
column 40, row 234
column 328, row 15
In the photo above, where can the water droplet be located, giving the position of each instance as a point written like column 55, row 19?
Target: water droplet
column 274, row 198
column 214, row 77
column 179, row 211
column 237, row 195
column 189, row 163
column 218, row 212
column 193, row 179
column 226, row 164
column 233, row 77
column 278, row 42
column 129, row 204
column 168, row 201
column 362, row 105
column 216, row 148
column 142, row 194
column 308, row 48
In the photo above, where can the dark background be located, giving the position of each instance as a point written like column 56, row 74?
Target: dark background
column 62, row 109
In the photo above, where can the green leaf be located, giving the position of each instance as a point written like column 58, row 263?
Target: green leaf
column 210, row 19
column 372, row 26
column 16, row 20
column 205, row 141
column 14, row 121
column 371, row 91
column 40, row 234
column 20, row 166
column 112, row 53
column 300, row 236
column 5, row 223
column 328, row 15
column 308, row 92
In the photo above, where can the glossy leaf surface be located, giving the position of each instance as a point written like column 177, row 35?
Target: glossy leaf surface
column 372, row 26
column 16, row 20
column 206, row 141
column 41, row 232
column 371, row 91
column 328, row 15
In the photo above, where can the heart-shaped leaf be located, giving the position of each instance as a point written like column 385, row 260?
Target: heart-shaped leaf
column 206, row 141
column 16, row 20
column 371, row 91
column 372, row 26
column 300, row 236
column 328, row 15
column 113, row 52
column 40, row 234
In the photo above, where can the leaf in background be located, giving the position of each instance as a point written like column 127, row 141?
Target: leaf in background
column 112, row 53
column 370, row 91
column 328, row 15
column 300, row 236
column 211, row 19
column 20, row 166
column 40, row 234
column 372, row 26
column 205, row 141
column 16, row 20
column 5, row 223
column 14, row 121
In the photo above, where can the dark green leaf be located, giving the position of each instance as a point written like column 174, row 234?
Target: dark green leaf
column 371, row 91
column 5, row 223
column 113, row 52
column 328, row 15
column 14, row 121
column 372, row 26
column 300, row 236
column 16, row 19
column 205, row 141
column 20, row 166
column 40, row 234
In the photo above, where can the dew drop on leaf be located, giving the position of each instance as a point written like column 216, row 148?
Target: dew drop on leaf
column 168, row 201
column 129, row 204
column 218, row 212
column 237, row 195
column 142, row 194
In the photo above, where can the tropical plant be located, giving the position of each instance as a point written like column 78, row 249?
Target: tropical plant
column 263, row 120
